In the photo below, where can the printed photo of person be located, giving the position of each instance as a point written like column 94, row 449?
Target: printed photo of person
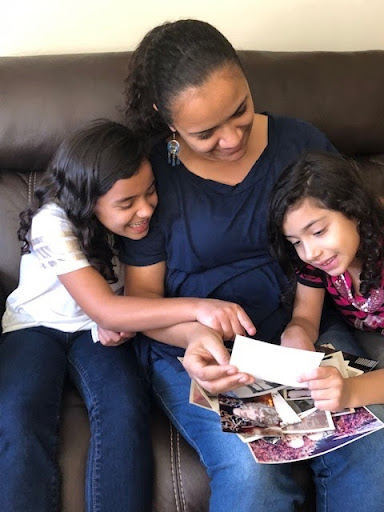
column 258, row 414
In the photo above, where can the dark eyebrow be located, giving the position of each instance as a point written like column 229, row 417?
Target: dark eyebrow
column 305, row 228
column 130, row 198
column 242, row 104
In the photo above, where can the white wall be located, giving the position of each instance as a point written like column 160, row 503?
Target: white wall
column 29, row 27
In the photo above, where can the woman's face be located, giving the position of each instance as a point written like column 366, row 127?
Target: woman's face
column 215, row 119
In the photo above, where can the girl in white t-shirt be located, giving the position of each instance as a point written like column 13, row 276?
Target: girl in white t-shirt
column 98, row 184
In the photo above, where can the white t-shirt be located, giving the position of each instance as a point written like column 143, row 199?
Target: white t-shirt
column 40, row 298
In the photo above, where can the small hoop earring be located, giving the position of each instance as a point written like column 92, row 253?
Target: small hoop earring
column 173, row 148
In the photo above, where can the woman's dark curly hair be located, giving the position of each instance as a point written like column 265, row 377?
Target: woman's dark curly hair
column 86, row 165
column 169, row 59
column 335, row 183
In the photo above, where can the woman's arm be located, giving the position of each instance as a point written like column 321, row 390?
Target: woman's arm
column 303, row 329
column 206, row 358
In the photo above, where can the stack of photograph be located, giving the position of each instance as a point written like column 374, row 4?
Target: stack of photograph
column 281, row 424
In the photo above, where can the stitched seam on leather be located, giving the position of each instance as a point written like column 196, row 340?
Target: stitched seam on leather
column 179, row 468
column 29, row 192
column 32, row 177
column 174, row 481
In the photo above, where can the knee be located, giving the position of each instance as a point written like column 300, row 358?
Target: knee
column 121, row 414
column 20, row 416
column 19, row 428
column 243, row 473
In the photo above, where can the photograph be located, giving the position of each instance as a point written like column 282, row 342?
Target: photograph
column 240, row 415
column 302, row 406
column 296, row 393
column 197, row 397
column 295, row 447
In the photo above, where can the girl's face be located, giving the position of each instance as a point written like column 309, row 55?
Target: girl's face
column 215, row 119
column 323, row 238
column 126, row 209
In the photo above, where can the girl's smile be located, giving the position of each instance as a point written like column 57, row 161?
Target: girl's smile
column 139, row 227
column 126, row 209
column 323, row 238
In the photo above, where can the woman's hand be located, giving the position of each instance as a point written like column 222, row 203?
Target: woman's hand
column 329, row 390
column 227, row 318
column 207, row 362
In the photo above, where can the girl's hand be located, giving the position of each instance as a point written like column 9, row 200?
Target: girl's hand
column 113, row 338
column 227, row 318
column 207, row 362
column 329, row 390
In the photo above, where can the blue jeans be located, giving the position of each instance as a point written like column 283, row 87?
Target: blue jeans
column 33, row 365
column 350, row 478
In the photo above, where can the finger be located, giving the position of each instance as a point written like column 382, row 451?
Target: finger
column 236, row 327
column 227, row 383
column 226, row 328
column 327, row 405
column 127, row 335
column 313, row 374
column 206, row 368
column 107, row 342
column 213, row 372
column 104, row 339
column 214, row 352
column 246, row 322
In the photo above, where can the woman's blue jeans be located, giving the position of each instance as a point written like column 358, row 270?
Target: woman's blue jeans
column 33, row 365
column 350, row 478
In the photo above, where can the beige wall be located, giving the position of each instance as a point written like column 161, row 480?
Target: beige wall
column 29, row 27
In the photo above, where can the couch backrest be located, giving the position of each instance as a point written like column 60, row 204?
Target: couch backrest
column 44, row 98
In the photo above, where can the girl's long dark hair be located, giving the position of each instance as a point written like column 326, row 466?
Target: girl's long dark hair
column 335, row 183
column 86, row 165
column 171, row 58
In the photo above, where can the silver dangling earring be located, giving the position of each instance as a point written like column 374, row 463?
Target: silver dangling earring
column 173, row 148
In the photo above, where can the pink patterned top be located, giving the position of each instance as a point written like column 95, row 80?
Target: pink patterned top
column 364, row 314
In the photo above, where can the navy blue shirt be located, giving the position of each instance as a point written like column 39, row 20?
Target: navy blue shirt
column 213, row 236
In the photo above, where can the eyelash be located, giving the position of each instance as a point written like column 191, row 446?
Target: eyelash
column 148, row 194
column 205, row 136
column 316, row 233
column 239, row 113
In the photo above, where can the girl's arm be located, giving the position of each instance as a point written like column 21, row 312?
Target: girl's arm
column 333, row 393
column 329, row 389
column 226, row 318
column 303, row 329
column 148, row 311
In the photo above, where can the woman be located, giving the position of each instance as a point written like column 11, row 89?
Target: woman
column 215, row 164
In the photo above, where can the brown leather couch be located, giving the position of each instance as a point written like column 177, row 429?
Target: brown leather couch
column 43, row 98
